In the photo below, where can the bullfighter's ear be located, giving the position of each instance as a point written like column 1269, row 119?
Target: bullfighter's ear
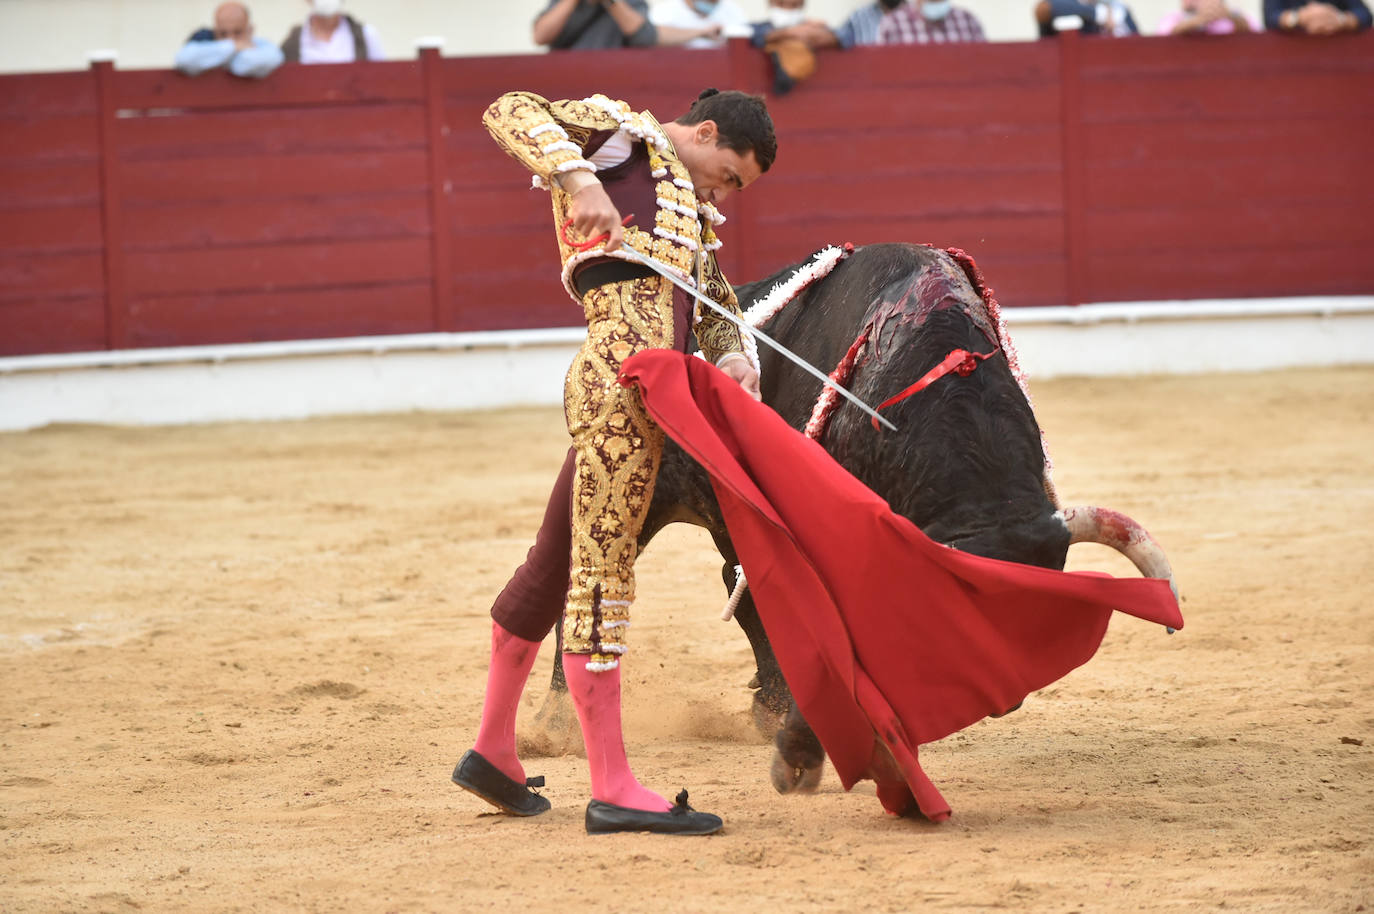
column 707, row 132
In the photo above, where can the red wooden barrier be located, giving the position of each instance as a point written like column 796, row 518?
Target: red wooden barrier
column 143, row 208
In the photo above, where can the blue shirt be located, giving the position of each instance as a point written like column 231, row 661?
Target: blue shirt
column 862, row 27
column 203, row 52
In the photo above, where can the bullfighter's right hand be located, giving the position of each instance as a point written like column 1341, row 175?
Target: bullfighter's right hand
column 736, row 367
column 592, row 211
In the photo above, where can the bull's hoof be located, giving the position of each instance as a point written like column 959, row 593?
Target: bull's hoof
column 788, row 778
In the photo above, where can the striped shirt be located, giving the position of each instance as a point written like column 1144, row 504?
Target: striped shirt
column 862, row 27
column 906, row 25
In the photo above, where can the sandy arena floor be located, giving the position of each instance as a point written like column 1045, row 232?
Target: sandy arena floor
column 240, row 661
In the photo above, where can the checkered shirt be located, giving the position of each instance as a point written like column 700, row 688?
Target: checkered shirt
column 906, row 25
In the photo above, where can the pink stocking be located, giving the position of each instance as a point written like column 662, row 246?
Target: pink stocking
column 512, row 657
column 597, row 699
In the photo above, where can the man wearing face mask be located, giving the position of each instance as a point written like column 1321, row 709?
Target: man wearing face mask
column 713, row 20
column 331, row 36
column 930, row 22
column 860, row 29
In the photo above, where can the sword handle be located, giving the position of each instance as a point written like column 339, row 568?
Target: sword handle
column 590, row 242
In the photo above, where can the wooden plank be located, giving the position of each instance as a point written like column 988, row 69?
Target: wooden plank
column 508, row 207
column 1231, row 225
column 1264, row 53
column 643, row 72
column 931, row 146
column 111, row 203
column 1024, row 235
column 201, row 318
column 51, row 229
column 277, row 266
column 25, row 95
column 1016, row 280
column 45, row 138
column 972, row 106
column 255, row 178
column 290, row 85
column 1206, row 144
column 1257, row 272
column 1242, row 96
column 443, row 305
column 935, row 67
column 1143, row 185
column 475, row 161
column 239, row 222
column 919, row 193
column 1075, row 181
column 1025, row 282
column 37, row 184
column 70, row 323
column 514, row 300
column 63, row 274
column 273, row 131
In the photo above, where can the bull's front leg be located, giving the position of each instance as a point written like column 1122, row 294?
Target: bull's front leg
column 798, row 759
column 555, row 731
column 771, row 696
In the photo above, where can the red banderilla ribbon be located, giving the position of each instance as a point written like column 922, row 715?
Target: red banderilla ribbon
column 590, row 242
column 960, row 361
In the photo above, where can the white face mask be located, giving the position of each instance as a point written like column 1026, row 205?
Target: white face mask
column 785, row 19
column 935, row 11
column 326, row 7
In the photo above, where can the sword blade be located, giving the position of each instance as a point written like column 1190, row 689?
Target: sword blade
column 782, row 350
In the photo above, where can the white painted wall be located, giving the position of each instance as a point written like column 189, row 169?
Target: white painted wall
column 453, row 371
column 57, row 34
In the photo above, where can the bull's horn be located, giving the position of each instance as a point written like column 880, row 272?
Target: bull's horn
column 1088, row 524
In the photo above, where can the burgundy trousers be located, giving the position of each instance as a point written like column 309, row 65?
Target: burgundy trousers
column 532, row 601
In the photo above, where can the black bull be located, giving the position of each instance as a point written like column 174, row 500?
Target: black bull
column 966, row 464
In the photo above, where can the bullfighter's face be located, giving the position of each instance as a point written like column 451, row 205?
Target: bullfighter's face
column 716, row 171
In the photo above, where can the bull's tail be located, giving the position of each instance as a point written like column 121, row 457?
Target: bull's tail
column 1089, row 524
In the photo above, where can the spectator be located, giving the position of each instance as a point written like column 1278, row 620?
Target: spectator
column 331, row 36
column 595, row 25
column 1206, row 17
column 710, row 22
column 592, row 25
column 230, row 42
column 930, row 22
column 1109, row 17
column 1310, row 17
column 861, row 28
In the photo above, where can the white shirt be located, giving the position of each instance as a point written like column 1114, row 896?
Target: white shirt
column 679, row 14
column 339, row 47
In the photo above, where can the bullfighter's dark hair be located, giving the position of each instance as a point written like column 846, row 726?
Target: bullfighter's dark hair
column 743, row 122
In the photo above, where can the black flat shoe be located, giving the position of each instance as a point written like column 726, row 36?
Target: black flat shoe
column 605, row 818
column 477, row 775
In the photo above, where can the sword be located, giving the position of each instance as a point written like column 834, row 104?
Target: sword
column 782, row 350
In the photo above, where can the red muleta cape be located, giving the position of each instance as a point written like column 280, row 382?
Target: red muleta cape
column 877, row 628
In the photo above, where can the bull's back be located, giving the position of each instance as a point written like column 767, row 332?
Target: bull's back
column 966, row 463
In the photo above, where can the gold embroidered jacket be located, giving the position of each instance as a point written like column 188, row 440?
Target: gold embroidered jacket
column 549, row 139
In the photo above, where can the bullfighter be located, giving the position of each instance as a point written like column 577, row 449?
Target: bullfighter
column 617, row 177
